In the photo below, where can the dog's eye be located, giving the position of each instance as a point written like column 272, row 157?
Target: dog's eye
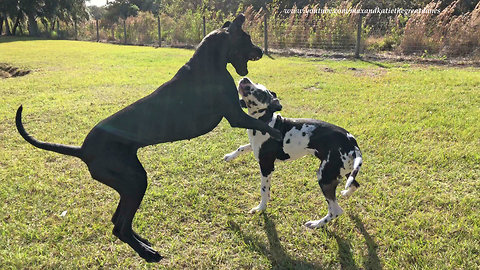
column 247, row 88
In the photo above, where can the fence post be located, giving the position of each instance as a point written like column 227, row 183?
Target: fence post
column 98, row 35
column 204, row 27
column 125, row 31
column 359, row 36
column 159, row 30
column 265, row 33
column 75, row 27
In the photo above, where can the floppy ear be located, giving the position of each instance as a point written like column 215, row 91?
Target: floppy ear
column 237, row 23
column 226, row 24
column 275, row 106
column 274, row 94
column 242, row 103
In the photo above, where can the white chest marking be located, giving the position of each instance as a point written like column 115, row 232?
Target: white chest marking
column 258, row 139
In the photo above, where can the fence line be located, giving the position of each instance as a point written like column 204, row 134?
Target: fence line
column 342, row 33
column 146, row 28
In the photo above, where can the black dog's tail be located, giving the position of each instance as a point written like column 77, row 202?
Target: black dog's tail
column 59, row 148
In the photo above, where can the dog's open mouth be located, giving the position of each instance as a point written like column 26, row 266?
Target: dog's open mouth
column 254, row 57
column 255, row 54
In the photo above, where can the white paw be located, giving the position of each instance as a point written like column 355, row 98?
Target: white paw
column 259, row 208
column 313, row 224
column 349, row 191
column 228, row 157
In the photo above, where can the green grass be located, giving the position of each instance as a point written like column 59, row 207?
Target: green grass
column 417, row 208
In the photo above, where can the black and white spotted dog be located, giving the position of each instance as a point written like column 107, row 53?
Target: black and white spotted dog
column 336, row 148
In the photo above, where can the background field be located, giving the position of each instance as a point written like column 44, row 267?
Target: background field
column 417, row 208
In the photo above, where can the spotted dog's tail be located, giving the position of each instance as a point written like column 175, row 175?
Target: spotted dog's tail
column 59, row 148
column 352, row 184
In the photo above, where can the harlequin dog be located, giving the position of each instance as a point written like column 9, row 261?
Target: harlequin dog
column 336, row 148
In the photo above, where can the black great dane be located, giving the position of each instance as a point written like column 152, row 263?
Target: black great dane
column 191, row 104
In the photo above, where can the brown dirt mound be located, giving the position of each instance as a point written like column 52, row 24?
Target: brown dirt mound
column 7, row 71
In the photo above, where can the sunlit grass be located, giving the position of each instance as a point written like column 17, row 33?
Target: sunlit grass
column 418, row 127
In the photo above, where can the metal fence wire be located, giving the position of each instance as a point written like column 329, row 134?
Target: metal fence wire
column 280, row 33
column 310, row 33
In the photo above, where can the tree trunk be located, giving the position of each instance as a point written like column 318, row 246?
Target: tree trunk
column 113, row 33
column 17, row 22
column 124, row 31
column 32, row 25
column 1, row 25
column 7, row 26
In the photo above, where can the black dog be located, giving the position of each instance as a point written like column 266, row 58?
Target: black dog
column 189, row 105
column 336, row 148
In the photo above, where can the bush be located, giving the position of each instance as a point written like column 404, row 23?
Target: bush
column 453, row 32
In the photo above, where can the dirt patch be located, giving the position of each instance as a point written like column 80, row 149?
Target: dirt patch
column 7, row 71
column 357, row 72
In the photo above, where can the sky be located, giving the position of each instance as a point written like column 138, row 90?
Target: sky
column 97, row 3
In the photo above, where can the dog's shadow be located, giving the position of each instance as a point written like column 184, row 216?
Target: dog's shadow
column 280, row 259
column 274, row 252
column 345, row 255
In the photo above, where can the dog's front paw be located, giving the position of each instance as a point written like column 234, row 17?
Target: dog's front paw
column 228, row 157
column 349, row 191
column 313, row 224
column 259, row 208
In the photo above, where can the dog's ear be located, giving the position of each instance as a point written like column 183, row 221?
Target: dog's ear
column 242, row 103
column 274, row 106
column 274, row 94
column 226, row 24
column 237, row 23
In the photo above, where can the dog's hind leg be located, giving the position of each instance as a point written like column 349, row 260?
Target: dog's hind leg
column 115, row 219
column 352, row 184
column 132, row 186
column 125, row 174
column 328, row 176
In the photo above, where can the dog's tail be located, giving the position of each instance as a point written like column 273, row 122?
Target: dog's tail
column 352, row 184
column 59, row 148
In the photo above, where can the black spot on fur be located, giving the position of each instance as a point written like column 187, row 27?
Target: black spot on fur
column 303, row 134
column 355, row 183
column 254, row 132
column 263, row 188
column 287, row 142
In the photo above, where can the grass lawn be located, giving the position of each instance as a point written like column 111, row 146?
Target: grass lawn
column 417, row 207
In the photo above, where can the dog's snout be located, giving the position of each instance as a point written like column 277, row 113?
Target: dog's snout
column 260, row 52
column 245, row 80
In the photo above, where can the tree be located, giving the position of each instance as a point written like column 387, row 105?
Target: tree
column 48, row 11
column 121, row 9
